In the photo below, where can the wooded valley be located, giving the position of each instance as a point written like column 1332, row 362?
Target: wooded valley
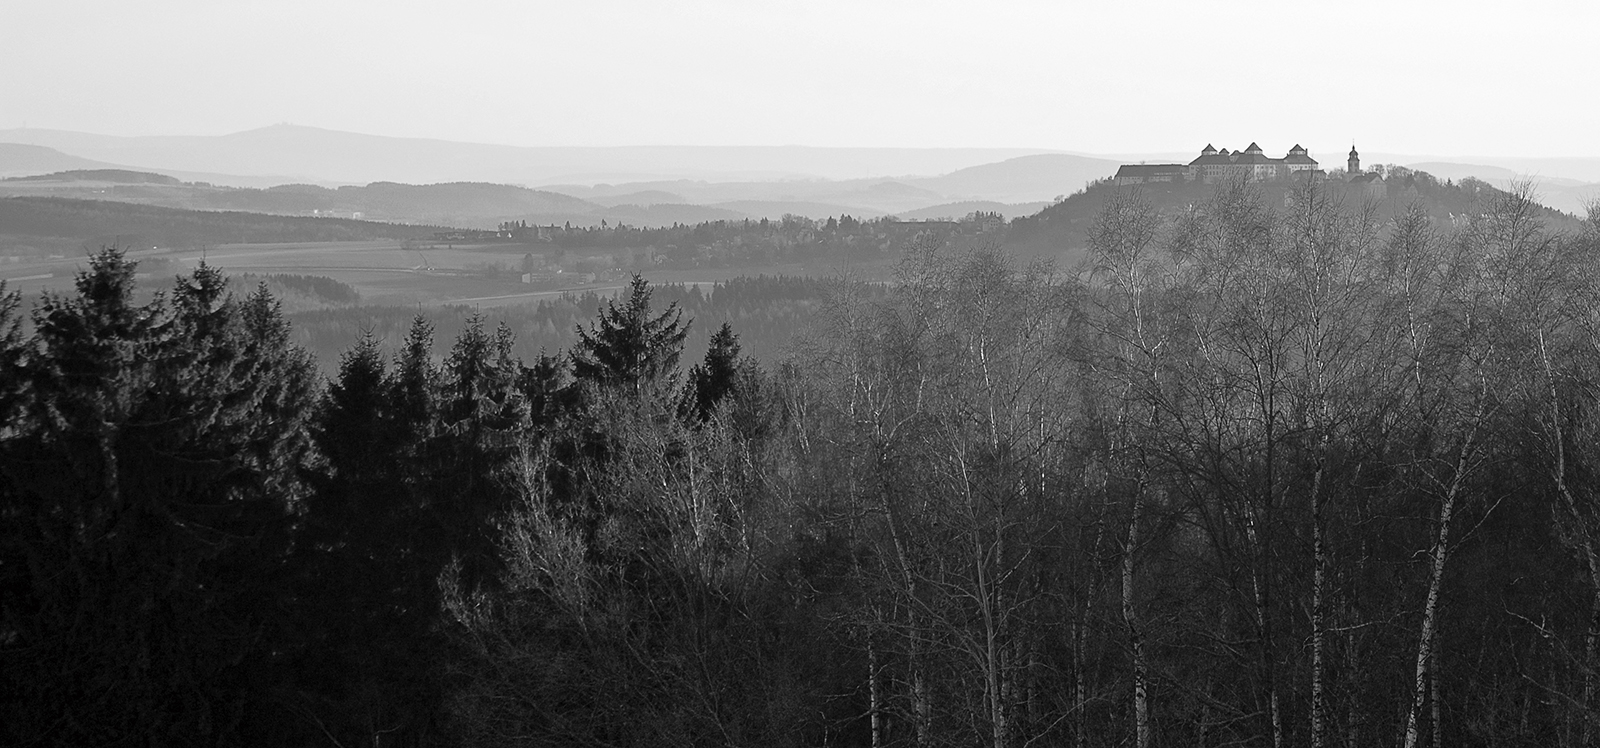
column 1264, row 471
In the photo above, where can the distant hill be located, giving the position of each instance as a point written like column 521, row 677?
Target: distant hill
column 1581, row 170
column 966, row 207
column 17, row 159
column 48, row 222
column 1022, row 179
column 874, row 196
column 111, row 176
column 775, row 209
column 317, row 155
column 669, row 213
column 1063, row 228
column 460, row 204
column 454, row 203
column 1576, row 199
column 853, row 196
column 20, row 159
column 1570, row 195
column 1457, row 172
column 642, row 197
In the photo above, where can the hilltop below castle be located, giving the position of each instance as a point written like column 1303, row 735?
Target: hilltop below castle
column 1249, row 165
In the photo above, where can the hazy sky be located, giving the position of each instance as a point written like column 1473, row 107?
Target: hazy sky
column 1447, row 78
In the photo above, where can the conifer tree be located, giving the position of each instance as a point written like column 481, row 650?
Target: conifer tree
column 412, row 387
column 542, row 385
column 715, row 378
column 370, row 659
column 12, row 351
column 482, row 419
column 154, row 505
column 629, row 346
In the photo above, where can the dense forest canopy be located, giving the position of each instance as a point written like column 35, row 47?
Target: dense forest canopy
column 1275, row 468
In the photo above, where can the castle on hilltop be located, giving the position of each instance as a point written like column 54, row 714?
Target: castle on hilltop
column 1213, row 165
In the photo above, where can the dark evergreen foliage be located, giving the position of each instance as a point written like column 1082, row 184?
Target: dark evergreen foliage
column 150, row 495
column 714, row 379
column 630, row 346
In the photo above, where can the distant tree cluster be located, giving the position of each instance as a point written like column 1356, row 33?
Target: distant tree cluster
column 1267, row 472
column 768, row 311
column 764, row 241
column 321, row 289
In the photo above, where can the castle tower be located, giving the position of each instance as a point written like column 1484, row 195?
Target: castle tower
column 1355, row 161
column 1208, row 150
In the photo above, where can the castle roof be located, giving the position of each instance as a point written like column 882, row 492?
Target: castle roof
column 1253, row 148
column 1237, row 158
column 1255, row 157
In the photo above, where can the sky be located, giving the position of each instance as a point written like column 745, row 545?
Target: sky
column 1141, row 76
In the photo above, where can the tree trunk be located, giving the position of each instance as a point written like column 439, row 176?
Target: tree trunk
column 1591, row 648
column 921, row 705
column 1318, row 607
column 874, row 695
column 1141, row 705
column 1263, row 619
column 1080, row 643
column 993, row 654
column 1080, row 695
column 1430, row 611
column 1584, row 530
column 1436, row 726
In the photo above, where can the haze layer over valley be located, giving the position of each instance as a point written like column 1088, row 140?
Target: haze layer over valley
column 644, row 185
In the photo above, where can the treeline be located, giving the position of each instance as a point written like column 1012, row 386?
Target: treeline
column 317, row 289
column 756, row 242
column 766, row 310
column 1266, row 473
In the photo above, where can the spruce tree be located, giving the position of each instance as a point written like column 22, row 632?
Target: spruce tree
column 154, row 486
column 714, row 379
column 543, row 385
column 628, row 346
column 12, row 354
column 412, row 388
column 367, row 605
column 483, row 418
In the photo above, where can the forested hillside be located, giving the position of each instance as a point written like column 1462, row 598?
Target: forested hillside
column 1276, row 470
column 1063, row 229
